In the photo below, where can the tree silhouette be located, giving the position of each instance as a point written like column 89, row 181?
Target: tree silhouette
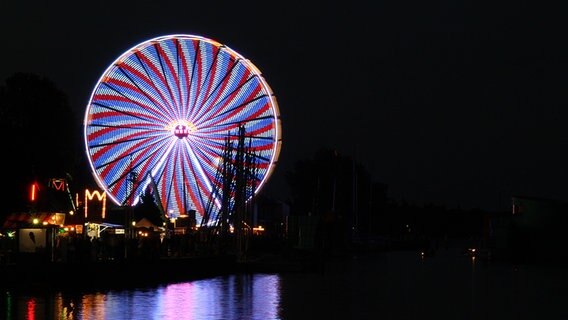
column 329, row 182
column 340, row 192
column 39, row 135
column 147, row 208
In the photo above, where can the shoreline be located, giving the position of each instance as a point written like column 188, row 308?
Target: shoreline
column 112, row 273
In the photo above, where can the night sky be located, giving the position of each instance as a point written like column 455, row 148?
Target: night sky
column 447, row 102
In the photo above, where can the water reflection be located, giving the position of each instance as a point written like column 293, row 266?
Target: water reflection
column 238, row 296
column 229, row 297
column 393, row 285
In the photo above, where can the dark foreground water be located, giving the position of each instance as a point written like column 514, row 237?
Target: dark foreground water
column 397, row 285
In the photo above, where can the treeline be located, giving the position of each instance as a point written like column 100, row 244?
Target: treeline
column 344, row 197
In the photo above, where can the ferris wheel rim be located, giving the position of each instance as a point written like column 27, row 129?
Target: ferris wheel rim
column 276, row 138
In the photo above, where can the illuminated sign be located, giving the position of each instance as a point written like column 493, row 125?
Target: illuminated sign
column 33, row 191
column 93, row 230
column 100, row 196
column 57, row 184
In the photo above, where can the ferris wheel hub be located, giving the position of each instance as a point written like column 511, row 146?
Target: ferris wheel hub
column 182, row 129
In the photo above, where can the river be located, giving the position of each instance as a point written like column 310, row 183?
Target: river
column 393, row 285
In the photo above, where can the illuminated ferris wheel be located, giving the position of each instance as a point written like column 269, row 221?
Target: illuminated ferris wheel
column 159, row 115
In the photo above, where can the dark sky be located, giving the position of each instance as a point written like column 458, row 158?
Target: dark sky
column 450, row 102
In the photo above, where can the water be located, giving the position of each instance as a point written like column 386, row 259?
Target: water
column 396, row 285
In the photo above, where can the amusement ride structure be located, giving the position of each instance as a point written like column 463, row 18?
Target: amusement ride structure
column 188, row 118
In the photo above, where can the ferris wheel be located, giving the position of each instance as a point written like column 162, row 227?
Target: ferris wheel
column 159, row 116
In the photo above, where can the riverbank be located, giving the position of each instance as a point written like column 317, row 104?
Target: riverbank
column 136, row 273
column 112, row 274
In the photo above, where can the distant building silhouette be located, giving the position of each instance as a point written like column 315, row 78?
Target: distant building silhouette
column 538, row 229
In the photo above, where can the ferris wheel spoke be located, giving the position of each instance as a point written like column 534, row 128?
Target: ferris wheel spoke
column 195, row 84
column 108, row 169
column 199, row 172
column 233, row 124
column 182, row 77
column 125, row 90
column 221, row 84
column 210, row 155
column 169, row 181
column 182, row 196
column 219, row 148
column 225, row 102
column 152, row 62
column 208, row 168
column 145, row 63
column 131, row 166
column 208, row 148
column 230, row 113
column 149, row 130
column 178, row 178
column 158, row 170
column 128, row 141
column 140, row 168
column 145, row 119
column 177, row 184
column 186, row 53
column 217, row 67
column 143, row 86
column 187, row 70
column 209, row 79
column 163, row 58
column 197, row 192
column 222, row 99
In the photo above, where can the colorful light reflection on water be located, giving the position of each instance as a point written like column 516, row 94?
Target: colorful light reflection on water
column 228, row 297
column 391, row 285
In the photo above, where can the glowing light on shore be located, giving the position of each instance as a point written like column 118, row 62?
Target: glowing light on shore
column 100, row 196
